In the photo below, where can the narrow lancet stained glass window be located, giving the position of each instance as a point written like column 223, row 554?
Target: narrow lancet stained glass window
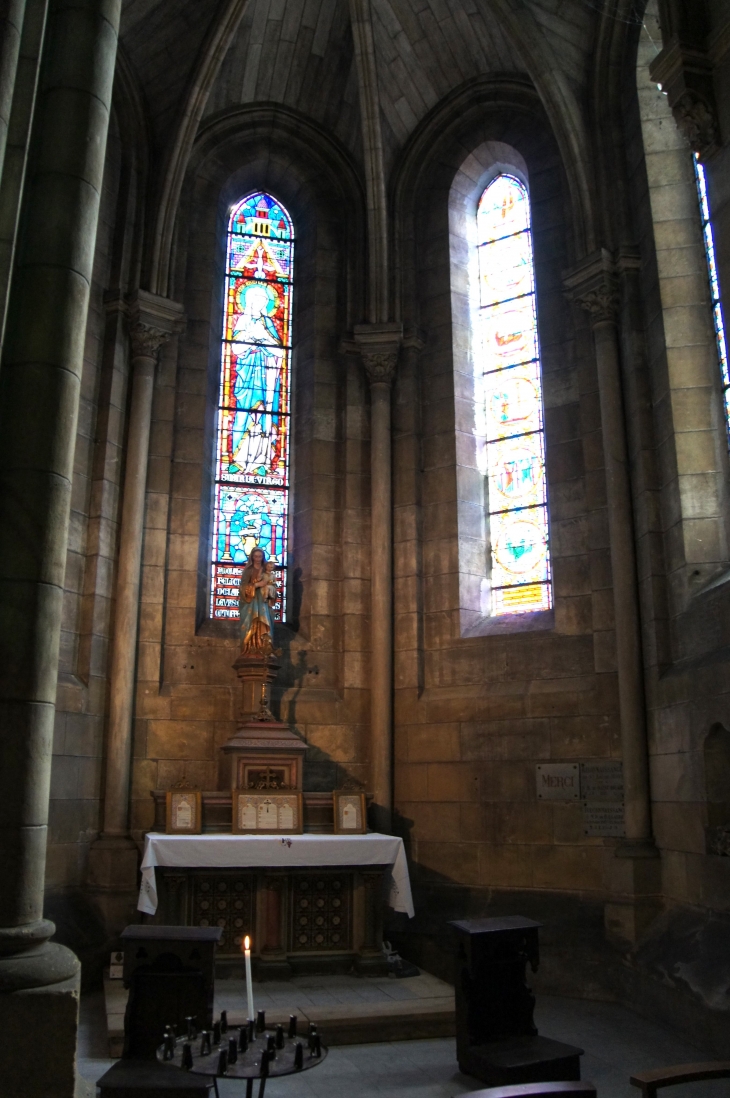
column 508, row 358
column 714, row 287
column 252, row 447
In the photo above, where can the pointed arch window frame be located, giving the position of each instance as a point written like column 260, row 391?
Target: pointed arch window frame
column 509, row 370
column 251, row 491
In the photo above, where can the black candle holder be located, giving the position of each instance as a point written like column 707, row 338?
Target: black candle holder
column 238, row 1055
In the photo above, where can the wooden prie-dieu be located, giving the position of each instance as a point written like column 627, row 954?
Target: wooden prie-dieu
column 303, row 919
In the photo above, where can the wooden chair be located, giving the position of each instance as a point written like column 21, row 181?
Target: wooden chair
column 574, row 1088
column 649, row 1082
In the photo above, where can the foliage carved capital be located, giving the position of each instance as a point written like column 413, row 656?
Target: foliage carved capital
column 697, row 122
column 594, row 286
column 379, row 347
column 380, row 366
column 152, row 321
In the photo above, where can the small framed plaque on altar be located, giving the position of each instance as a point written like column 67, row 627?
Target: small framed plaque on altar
column 350, row 813
column 266, row 813
column 183, row 815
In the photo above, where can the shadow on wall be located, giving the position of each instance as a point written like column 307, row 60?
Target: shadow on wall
column 80, row 926
column 575, row 958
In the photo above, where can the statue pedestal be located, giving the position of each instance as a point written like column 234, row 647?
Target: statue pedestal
column 256, row 674
column 263, row 755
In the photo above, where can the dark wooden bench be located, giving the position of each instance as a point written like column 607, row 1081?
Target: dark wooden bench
column 573, row 1088
column 649, row 1082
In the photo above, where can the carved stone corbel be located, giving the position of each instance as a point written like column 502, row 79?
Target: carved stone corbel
column 697, row 122
column 379, row 347
column 684, row 73
column 152, row 321
column 594, row 286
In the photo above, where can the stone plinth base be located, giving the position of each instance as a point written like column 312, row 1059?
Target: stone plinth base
column 39, row 1028
column 636, row 885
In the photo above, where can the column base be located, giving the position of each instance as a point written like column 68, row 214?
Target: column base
column 40, row 1028
column 113, row 879
column 636, row 883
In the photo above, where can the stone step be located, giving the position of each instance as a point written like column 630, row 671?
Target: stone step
column 428, row 1012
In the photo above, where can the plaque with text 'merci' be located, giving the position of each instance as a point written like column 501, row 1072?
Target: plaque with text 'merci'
column 266, row 813
column 558, row 781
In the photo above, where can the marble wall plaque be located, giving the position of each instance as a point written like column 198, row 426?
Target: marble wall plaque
column 558, row 781
column 603, row 820
column 602, row 781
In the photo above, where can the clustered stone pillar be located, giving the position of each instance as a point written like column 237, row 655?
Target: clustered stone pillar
column 39, row 398
column 379, row 346
column 152, row 320
column 595, row 287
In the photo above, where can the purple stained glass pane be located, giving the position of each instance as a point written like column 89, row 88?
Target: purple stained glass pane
column 252, row 440
column 512, row 384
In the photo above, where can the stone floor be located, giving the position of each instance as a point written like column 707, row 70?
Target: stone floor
column 616, row 1042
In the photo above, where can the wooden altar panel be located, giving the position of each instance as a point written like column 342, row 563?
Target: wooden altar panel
column 314, row 920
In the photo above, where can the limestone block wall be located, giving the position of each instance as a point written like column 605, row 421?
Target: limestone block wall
column 476, row 714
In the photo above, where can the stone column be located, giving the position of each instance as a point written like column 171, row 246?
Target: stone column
column 594, row 285
column 152, row 320
column 379, row 346
column 39, row 396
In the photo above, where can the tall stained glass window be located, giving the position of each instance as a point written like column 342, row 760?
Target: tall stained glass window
column 252, row 447
column 714, row 286
column 508, row 357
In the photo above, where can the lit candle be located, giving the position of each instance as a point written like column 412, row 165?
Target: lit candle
column 249, row 984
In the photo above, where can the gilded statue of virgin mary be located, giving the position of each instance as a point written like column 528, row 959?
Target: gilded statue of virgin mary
column 256, row 595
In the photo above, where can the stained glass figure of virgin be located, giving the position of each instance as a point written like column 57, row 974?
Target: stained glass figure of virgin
column 508, row 357
column 252, row 451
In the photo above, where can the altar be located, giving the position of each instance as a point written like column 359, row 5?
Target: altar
column 297, row 871
column 310, row 902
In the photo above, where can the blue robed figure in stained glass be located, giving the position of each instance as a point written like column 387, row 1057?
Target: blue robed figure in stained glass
column 252, row 453
column 257, row 382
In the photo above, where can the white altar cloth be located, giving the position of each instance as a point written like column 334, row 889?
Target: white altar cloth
column 233, row 851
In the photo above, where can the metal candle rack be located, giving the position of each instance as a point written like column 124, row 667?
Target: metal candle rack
column 247, row 1052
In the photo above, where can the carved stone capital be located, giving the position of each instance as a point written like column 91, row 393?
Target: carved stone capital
column 683, row 70
column 379, row 346
column 696, row 121
column 152, row 321
column 594, row 286
column 146, row 339
column 380, row 365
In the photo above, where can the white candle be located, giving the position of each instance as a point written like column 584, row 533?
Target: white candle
column 249, row 984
